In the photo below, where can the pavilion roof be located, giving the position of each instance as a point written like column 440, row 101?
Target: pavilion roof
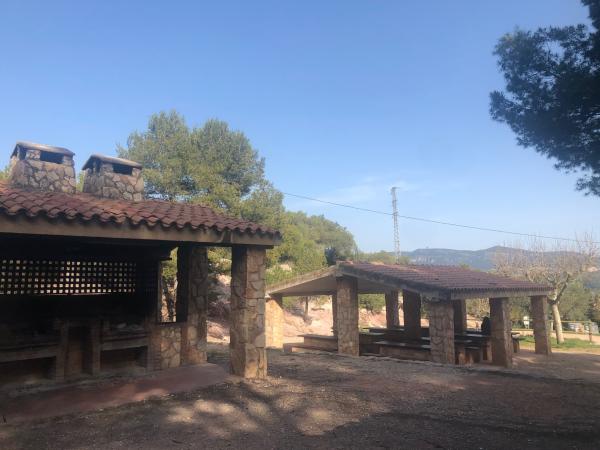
column 440, row 282
column 30, row 211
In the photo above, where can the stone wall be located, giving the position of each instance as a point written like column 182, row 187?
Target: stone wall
column 347, row 316
column 274, row 322
column 167, row 346
column 539, row 313
column 247, row 331
column 192, row 290
column 502, row 348
column 106, row 183
column 441, row 331
column 391, row 309
column 411, row 307
column 460, row 316
column 48, row 176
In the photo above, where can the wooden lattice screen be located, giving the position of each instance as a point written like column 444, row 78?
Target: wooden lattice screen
column 67, row 277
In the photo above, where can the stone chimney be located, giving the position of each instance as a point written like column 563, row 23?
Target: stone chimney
column 113, row 178
column 43, row 167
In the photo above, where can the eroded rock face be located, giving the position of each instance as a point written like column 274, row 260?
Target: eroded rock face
column 30, row 171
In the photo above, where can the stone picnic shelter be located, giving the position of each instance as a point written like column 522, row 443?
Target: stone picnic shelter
column 442, row 290
column 80, row 272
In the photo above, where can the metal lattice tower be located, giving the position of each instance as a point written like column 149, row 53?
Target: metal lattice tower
column 396, row 226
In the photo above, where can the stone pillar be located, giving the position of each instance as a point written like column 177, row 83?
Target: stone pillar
column 391, row 309
column 334, row 314
column 441, row 331
column 501, row 327
column 539, row 314
column 347, row 316
column 192, row 301
column 411, row 305
column 274, row 321
column 460, row 316
column 247, row 329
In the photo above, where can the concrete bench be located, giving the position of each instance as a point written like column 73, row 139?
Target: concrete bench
column 326, row 343
column 52, row 346
column 405, row 350
column 291, row 346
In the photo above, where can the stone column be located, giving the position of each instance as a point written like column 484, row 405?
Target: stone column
column 347, row 316
column 441, row 331
column 539, row 314
column 247, row 329
column 460, row 316
column 334, row 314
column 192, row 301
column 501, row 327
column 274, row 321
column 411, row 305
column 391, row 309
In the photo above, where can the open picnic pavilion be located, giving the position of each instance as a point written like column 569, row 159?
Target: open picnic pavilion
column 441, row 290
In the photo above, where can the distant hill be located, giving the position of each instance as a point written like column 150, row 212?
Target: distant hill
column 476, row 259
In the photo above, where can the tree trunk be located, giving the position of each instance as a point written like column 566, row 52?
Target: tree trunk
column 557, row 323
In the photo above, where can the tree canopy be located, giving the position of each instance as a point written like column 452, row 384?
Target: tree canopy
column 217, row 166
column 552, row 94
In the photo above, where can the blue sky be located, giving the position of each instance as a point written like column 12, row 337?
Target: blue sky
column 344, row 99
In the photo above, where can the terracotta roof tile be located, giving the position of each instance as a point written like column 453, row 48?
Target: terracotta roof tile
column 86, row 207
column 453, row 279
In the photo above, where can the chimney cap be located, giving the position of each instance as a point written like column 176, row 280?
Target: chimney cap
column 41, row 147
column 110, row 159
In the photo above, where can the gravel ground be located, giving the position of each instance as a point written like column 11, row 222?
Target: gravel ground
column 329, row 401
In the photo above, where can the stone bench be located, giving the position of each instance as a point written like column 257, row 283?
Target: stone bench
column 405, row 350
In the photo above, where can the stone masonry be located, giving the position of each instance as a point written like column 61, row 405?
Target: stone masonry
column 102, row 180
column 539, row 313
column 411, row 306
column 247, row 329
column 502, row 348
column 192, row 293
column 169, row 354
column 460, row 316
column 28, row 170
column 347, row 316
column 441, row 331
column 274, row 321
column 391, row 309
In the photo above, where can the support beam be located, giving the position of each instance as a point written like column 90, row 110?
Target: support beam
column 247, row 329
column 502, row 349
column 411, row 305
column 192, row 302
column 460, row 316
column 391, row 309
column 347, row 316
column 441, row 331
column 539, row 315
column 274, row 321
column 334, row 314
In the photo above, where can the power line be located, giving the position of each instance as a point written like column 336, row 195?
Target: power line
column 438, row 222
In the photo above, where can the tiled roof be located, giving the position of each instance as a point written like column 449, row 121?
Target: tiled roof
column 452, row 279
column 150, row 213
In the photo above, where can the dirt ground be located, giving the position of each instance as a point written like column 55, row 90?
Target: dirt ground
column 330, row 401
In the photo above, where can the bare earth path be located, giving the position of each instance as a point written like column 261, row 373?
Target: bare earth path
column 328, row 401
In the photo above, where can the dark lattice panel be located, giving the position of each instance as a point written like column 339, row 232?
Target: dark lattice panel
column 67, row 277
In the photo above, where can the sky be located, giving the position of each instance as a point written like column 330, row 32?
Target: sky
column 344, row 99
